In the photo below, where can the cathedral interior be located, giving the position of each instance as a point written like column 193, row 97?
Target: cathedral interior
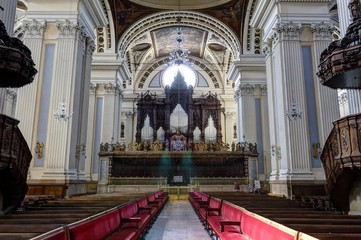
column 130, row 97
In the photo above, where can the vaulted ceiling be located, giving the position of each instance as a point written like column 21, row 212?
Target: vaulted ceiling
column 230, row 12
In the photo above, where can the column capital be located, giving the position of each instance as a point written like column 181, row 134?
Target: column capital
column 287, row 30
column 264, row 89
column 90, row 47
column 322, row 31
column 34, row 28
column 229, row 115
column 237, row 92
column 67, row 29
column 93, row 87
column 130, row 114
column 113, row 88
column 247, row 89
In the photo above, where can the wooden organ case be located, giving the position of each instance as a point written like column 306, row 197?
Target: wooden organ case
column 179, row 95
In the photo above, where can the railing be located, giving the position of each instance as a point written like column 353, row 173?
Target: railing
column 218, row 180
column 342, row 149
column 137, row 181
column 15, row 157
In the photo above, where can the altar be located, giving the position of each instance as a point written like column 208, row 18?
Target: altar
column 178, row 139
column 177, row 168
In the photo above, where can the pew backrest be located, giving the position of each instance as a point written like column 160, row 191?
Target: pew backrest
column 231, row 212
column 260, row 228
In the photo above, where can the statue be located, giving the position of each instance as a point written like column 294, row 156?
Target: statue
column 178, row 142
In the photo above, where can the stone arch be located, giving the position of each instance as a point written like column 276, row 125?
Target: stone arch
column 192, row 19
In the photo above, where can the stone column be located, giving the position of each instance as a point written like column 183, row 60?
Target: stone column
column 239, row 113
column 274, row 170
column 249, row 115
column 7, row 16
column 129, row 128
column 33, row 39
column 322, row 37
column 91, row 141
column 84, row 93
column 291, row 136
column 344, row 17
column 353, row 95
column 71, row 86
column 228, row 128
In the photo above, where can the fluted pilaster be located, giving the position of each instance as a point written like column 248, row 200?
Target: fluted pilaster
column 8, row 15
column 62, row 90
column 33, row 39
column 8, row 18
column 343, row 15
column 353, row 96
column 328, row 104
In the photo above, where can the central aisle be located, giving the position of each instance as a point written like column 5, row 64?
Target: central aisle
column 178, row 221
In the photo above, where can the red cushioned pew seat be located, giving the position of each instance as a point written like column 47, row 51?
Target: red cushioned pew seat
column 256, row 227
column 229, row 219
column 212, row 209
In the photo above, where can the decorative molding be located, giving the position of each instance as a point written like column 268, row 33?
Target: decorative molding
column 90, row 47
column 266, row 49
column 247, row 89
column 101, row 39
column 104, row 67
column 109, row 87
column 11, row 94
column 237, row 92
column 264, row 89
column 34, row 28
column 289, row 30
column 275, row 38
column 67, row 29
column 130, row 114
column 93, row 87
column 276, row 151
column 342, row 98
column 229, row 115
column 220, row 31
column 322, row 31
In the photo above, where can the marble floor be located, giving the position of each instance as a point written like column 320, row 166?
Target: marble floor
column 177, row 221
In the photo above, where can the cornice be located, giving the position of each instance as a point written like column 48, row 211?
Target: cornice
column 105, row 67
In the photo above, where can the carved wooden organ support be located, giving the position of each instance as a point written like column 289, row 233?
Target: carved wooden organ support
column 161, row 117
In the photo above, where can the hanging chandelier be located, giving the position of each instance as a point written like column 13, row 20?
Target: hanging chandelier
column 179, row 54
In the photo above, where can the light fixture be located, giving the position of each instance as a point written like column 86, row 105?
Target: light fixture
column 62, row 113
column 179, row 54
column 295, row 112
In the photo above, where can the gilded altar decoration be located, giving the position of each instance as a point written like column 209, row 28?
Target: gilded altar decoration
column 200, row 146
column 39, row 149
column 316, row 150
column 157, row 146
column 134, row 146
column 104, row 147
